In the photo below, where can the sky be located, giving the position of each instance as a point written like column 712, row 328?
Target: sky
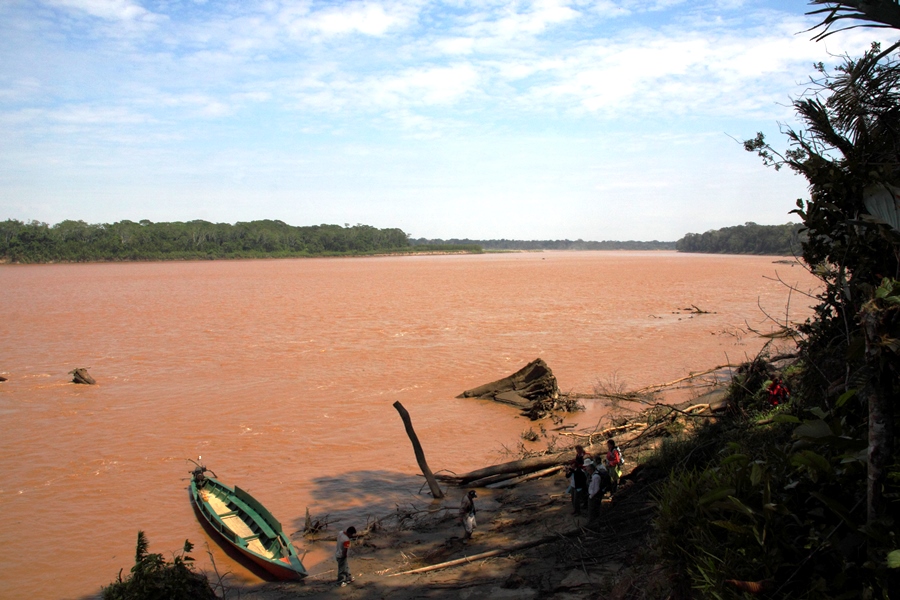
column 517, row 119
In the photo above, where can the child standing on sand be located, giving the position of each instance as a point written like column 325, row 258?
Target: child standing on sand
column 467, row 513
column 341, row 553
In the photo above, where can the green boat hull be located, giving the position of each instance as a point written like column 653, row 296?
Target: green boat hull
column 243, row 523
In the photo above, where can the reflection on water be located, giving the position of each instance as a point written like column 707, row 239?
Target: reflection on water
column 281, row 375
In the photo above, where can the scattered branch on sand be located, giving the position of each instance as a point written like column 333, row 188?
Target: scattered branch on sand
column 312, row 527
column 605, row 433
column 690, row 376
column 656, row 420
column 481, row 556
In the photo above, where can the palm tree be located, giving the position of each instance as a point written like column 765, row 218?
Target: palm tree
column 878, row 13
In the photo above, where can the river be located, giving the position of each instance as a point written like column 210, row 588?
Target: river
column 281, row 375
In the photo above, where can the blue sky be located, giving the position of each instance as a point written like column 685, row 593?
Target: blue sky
column 591, row 119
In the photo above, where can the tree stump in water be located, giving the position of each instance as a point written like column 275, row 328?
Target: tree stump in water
column 80, row 375
column 533, row 389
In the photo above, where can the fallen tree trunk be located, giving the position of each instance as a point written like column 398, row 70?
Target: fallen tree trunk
column 516, row 467
column 420, row 454
column 523, row 478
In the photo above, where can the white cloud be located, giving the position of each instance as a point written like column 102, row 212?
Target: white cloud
column 518, row 18
column 649, row 72
column 79, row 115
column 20, row 89
column 436, row 85
column 113, row 10
column 307, row 76
column 455, row 45
column 369, row 18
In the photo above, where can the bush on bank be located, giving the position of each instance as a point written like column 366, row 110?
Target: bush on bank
column 154, row 578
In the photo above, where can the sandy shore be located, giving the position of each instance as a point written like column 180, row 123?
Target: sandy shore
column 581, row 561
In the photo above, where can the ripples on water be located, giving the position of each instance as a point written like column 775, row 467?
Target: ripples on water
column 282, row 373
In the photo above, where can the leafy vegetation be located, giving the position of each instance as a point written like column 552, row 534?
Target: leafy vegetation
column 802, row 500
column 153, row 578
column 749, row 238
column 76, row 241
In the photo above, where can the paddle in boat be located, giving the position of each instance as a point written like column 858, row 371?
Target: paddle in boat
column 244, row 524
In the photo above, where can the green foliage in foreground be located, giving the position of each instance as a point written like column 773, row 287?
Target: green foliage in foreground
column 77, row 241
column 152, row 578
column 778, row 506
column 750, row 238
column 804, row 502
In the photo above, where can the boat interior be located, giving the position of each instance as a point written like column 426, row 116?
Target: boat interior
column 239, row 518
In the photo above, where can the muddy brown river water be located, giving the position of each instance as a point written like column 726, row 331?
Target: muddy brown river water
column 281, row 375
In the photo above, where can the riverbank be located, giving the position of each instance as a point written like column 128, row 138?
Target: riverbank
column 528, row 543
column 582, row 559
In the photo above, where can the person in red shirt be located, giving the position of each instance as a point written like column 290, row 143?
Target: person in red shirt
column 778, row 392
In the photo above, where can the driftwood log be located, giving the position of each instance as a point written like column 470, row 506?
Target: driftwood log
column 649, row 423
column 420, row 454
column 516, row 468
column 523, row 478
column 532, row 389
column 80, row 375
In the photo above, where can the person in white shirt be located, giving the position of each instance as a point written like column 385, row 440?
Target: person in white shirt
column 341, row 552
column 600, row 484
column 467, row 513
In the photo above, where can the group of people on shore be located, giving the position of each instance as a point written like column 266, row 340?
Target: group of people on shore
column 590, row 480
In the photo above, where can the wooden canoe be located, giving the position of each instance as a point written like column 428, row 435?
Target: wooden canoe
column 245, row 524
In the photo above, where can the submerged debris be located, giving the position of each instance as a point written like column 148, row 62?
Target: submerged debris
column 533, row 389
column 80, row 375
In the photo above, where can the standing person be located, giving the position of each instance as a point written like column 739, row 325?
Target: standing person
column 467, row 513
column 614, row 463
column 341, row 553
column 580, row 456
column 778, row 392
column 594, row 494
column 579, row 488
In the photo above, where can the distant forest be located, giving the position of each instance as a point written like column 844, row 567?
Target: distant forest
column 749, row 238
column 77, row 241
column 548, row 244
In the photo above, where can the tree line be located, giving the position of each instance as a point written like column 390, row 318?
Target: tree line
column 504, row 244
column 749, row 238
column 77, row 241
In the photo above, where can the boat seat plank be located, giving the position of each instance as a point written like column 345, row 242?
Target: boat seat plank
column 237, row 525
column 217, row 505
column 266, row 530
column 256, row 546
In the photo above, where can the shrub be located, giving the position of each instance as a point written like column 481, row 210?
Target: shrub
column 152, row 578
